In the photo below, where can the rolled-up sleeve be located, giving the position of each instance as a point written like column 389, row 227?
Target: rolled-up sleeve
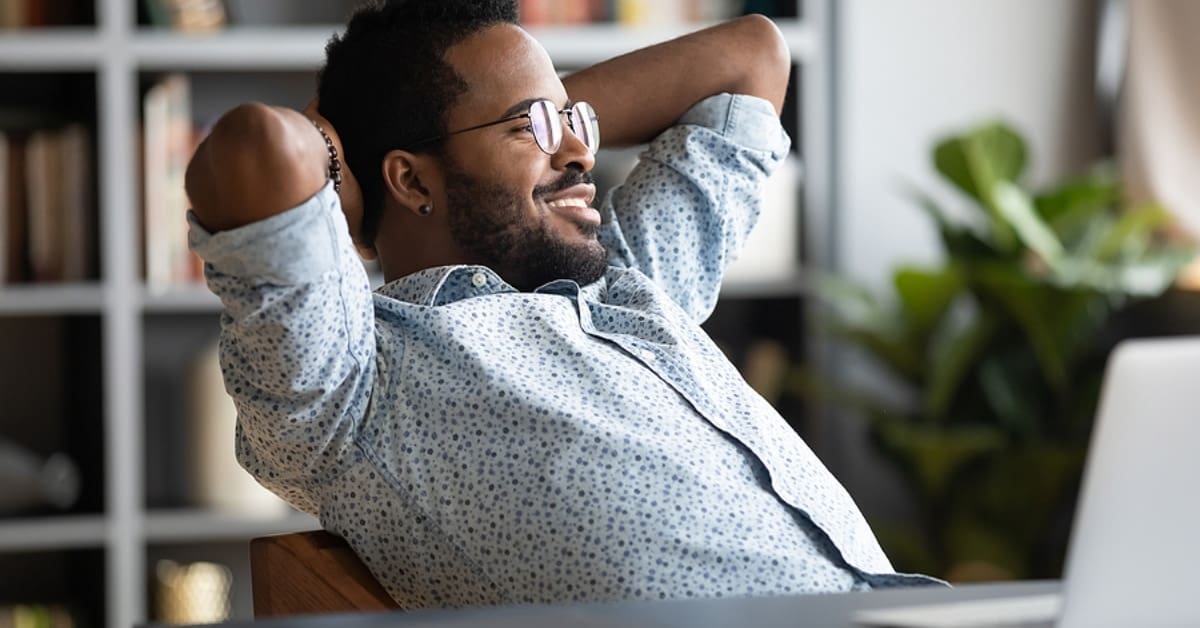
column 686, row 209
column 297, row 341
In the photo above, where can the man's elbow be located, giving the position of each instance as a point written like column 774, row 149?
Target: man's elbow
column 216, row 158
column 767, row 59
column 257, row 161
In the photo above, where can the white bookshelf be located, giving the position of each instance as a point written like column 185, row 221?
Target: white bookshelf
column 119, row 54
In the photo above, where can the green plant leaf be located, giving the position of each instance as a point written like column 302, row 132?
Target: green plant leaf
column 926, row 294
column 1149, row 275
column 975, row 161
column 954, row 352
column 1023, row 488
column 863, row 322
column 1026, row 301
column 896, row 351
column 1017, row 209
column 1153, row 274
column 1011, row 385
column 960, row 242
column 852, row 303
column 806, row 384
column 1069, row 207
column 1134, row 227
column 933, row 454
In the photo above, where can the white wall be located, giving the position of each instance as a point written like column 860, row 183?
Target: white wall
column 913, row 70
column 910, row 72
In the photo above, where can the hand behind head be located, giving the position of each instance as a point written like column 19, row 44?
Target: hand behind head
column 351, row 194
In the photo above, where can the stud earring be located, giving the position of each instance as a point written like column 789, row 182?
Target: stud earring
column 425, row 209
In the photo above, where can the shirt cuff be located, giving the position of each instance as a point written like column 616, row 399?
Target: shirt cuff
column 748, row 121
column 296, row 246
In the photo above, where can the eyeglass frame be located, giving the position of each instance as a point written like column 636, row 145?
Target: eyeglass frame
column 569, row 111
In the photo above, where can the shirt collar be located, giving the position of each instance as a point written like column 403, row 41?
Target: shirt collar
column 445, row 284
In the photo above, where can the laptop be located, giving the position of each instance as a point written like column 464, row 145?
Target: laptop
column 1134, row 552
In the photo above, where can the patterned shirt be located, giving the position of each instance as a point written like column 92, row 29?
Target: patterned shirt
column 479, row 445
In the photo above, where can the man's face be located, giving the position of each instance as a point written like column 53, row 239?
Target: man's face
column 526, row 213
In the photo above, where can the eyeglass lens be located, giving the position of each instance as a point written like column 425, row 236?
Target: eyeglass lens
column 585, row 125
column 548, row 128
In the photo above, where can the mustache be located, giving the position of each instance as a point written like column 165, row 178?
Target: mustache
column 573, row 177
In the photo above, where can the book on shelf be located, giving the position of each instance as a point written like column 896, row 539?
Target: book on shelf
column 35, row 13
column 628, row 12
column 186, row 15
column 168, row 141
column 47, row 205
column 12, row 210
column 43, row 160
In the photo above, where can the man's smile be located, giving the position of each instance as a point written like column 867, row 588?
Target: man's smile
column 575, row 203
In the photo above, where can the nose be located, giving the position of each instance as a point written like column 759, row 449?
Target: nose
column 572, row 152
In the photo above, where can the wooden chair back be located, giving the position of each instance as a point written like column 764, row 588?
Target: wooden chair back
column 311, row 573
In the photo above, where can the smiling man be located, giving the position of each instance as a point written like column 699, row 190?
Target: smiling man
column 528, row 409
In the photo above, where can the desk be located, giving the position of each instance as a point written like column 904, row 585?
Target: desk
column 797, row 611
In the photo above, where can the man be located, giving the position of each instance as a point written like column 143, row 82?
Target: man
column 528, row 411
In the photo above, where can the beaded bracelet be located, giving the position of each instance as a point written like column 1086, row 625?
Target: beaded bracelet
column 335, row 166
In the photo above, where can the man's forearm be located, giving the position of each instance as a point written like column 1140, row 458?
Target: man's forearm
column 640, row 94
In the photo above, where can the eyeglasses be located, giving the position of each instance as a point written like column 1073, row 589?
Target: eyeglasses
column 545, row 120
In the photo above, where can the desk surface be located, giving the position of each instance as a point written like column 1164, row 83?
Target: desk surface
column 810, row 611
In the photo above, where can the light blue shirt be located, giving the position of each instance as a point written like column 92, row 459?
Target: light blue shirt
column 479, row 445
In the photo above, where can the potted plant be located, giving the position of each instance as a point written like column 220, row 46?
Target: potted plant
column 1000, row 349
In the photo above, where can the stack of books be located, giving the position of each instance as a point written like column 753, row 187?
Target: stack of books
column 186, row 15
column 35, row 13
column 630, row 12
column 47, row 205
column 168, row 141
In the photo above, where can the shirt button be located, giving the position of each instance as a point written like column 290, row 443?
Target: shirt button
column 479, row 280
column 648, row 355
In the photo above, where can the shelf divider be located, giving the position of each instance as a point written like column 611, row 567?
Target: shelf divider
column 57, row 49
column 183, row 299
column 30, row 534
column 203, row 526
column 51, row 298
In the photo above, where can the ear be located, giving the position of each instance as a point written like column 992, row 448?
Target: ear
column 408, row 178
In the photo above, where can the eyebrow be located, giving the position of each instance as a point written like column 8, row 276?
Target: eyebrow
column 523, row 106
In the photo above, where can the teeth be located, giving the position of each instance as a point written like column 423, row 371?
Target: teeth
column 567, row 202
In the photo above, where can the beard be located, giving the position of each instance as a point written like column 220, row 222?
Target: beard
column 491, row 221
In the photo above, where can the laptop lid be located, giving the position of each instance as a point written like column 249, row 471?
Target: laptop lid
column 1135, row 549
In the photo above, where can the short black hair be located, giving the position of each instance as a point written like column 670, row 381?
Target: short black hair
column 386, row 83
